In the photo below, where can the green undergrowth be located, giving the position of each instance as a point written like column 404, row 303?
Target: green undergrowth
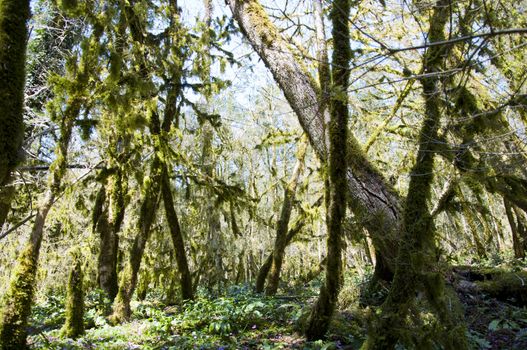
column 239, row 319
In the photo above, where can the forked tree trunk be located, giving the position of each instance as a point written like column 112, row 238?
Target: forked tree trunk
column 371, row 197
column 268, row 262
column 283, row 222
column 129, row 276
column 517, row 230
column 128, row 279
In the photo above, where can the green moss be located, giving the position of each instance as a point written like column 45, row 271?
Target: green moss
column 263, row 25
column 74, row 326
column 13, row 42
column 505, row 285
column 17, row 302
column 121, row 306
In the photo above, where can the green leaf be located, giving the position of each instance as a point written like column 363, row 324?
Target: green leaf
column 493, row 325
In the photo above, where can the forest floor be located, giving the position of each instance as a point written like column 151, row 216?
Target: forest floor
column 241, row 319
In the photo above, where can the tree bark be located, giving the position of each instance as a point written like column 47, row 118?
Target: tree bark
column 108, row 217
column 371, row 197
column 7, row 193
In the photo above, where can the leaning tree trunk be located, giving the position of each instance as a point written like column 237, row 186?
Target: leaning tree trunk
column 416, row 262
column 177, row 237
column 283, row 222
column 268, row 262
column 320, row 317
column 371, row 197
column 13, row 43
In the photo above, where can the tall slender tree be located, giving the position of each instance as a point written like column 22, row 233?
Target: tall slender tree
column 320, row 317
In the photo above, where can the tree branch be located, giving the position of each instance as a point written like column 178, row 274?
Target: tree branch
column 462, row 38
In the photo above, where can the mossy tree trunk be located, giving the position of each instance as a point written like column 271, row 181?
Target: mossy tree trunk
column 171, row 116
column 18, row 299
column 370, row 195
column 416, row 262
column 108, row 216
column 283, row 221
column 13, row 42
column 7, row 192
column 177, row 238
column 468, row 217
column 320, row 317
column 215, row 245
column 74, row 325
column 128, row 281
column 143, row 285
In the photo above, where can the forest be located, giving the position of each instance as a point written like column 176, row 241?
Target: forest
column 263, row 174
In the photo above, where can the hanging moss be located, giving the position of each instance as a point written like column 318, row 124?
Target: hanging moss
column 17, row 303
column 142, row 287
column 74, row 326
